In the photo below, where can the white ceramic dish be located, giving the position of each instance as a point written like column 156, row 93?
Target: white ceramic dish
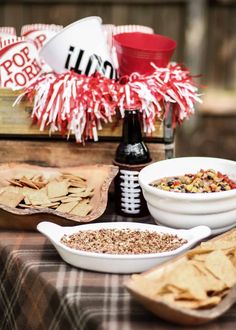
column 117, row 263
column 183, row 210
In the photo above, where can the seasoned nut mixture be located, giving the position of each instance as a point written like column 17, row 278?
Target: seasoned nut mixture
column 124, row 241
column 204, row 181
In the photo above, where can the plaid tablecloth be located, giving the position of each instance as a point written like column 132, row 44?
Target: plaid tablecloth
column 40, row 291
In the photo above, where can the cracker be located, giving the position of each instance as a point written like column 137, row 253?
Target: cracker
column 10, row 198
column 81, row 210
column 26, row 182
column 27, row 191
column 38, row 197
column 49, row 205
column 57, row 199
column 76, row 190
column 25, row 206
column 66, row 207
column 71, row 199
column 86, row 193
column 15, row 183
column 73, row 176
column 77, row 183
column 27, row 201
column 14, row 189
column 40, row 184
column 64, row 192
column 57, row 189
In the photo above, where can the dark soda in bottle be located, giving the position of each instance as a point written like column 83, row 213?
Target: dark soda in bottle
column 131, row 156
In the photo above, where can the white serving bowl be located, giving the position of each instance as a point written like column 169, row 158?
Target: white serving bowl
column 185, row 210
column 111, row 263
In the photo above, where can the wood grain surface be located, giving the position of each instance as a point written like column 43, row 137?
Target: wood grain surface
column 65, row 153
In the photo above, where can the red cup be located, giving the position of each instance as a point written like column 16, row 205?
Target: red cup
column 136, row 50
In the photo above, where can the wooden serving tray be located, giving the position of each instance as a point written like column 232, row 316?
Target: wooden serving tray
column 171, row 312
column 98, row 176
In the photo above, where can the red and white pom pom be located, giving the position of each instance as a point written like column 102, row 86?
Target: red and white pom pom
column 72, row 103
column 169, row 85
column 78, row 104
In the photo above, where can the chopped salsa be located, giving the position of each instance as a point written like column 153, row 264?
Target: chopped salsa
column 204, row 181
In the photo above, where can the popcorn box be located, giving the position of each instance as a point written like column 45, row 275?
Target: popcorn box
column 40, row 33
column 19, row 63
column 6, row 32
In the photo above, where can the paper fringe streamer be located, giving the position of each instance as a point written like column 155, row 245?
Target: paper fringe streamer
column 78, row 104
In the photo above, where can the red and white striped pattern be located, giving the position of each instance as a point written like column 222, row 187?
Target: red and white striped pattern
column 7, row 42
column 108, row 30
column 8, row 30
column 39, row 27
column 132, row 28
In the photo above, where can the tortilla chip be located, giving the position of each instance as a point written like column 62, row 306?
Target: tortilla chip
column 219, row 245
column 197, row 252
column 201, row 280
column 188, row 278
column 200, row 257
column 232, row 257
column 199, row 264
column 193, row 304
column 221, row 267
column 172, row 288
column 147, row 286
column 209, row 281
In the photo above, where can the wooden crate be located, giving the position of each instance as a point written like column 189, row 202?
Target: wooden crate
column 61, row 153
column 22, row 142
column 16, row 122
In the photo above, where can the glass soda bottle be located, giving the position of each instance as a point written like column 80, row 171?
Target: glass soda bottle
column 131, row 156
